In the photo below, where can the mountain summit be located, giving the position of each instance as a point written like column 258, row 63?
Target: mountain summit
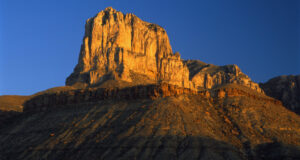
column 122, row 47
column 118, row 46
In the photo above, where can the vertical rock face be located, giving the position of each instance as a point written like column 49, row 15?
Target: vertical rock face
column 122, row 47
column 115, row 46
column 286, row 89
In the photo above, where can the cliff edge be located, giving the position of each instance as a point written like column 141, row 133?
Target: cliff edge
column 123, row 47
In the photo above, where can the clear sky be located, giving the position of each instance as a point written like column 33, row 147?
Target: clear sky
column 40, row 39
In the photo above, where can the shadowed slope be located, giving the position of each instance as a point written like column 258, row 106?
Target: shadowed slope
column 182, row 127
column 285, row 89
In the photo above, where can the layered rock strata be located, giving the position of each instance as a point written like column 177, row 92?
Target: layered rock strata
column 50, row 101
column 45, row 101
column 122, row 47
column 285, row 89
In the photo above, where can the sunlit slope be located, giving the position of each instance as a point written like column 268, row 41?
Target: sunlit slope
column 12, row 102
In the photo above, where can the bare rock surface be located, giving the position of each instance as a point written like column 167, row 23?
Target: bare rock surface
column 285, row 89
column 49, row 100
column 123, row 47
column 117, row 45
column 206, row 76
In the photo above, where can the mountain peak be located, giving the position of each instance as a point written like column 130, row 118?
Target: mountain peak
column 125, row 48
column 109, row 9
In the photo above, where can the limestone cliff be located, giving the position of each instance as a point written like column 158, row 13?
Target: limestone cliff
column 206, row 76
column 118, row 46
column 122, row 47
column 286, row 89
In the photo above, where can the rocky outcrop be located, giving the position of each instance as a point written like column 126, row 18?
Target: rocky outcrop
column 206, row 76
column 121, row 47
column 47, row 101
column 285, row 89
column 52, row 100
column 116, row 45
column 223, row 93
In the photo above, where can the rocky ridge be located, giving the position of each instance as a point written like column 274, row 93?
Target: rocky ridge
column 119, row 46
column 206, row 76
column 49, row 101
column 285, row 89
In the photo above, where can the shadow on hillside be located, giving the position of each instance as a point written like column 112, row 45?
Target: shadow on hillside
column 112, row 130
column 7, row 116
column 277, row 151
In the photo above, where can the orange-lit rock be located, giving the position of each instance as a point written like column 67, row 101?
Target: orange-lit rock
column 117, row 45
column 48, row 101
column 122, row 47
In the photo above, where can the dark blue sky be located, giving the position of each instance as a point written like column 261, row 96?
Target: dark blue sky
column 40, row 39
